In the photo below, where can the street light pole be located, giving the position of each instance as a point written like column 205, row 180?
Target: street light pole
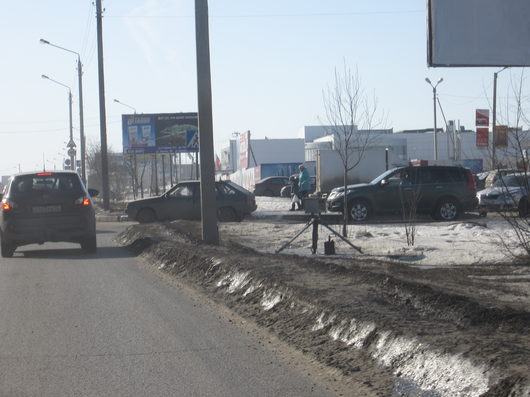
column 135, row 164
column 81, row 115
column 124, row 104
column 71, row 144
column 494, row 121
column 434, row 104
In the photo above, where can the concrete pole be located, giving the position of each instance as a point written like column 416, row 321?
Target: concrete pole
column 81, row 120
column 71, row 149
column 102, row 113
column 494, row 123
column 210, row 233
column 435, row 132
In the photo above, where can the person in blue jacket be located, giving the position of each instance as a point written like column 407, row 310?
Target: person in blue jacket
column 304, row 183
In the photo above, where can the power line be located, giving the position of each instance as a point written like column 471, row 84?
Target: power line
column 295, row 15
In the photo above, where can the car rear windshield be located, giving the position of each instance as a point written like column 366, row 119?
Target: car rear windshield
column 38, row 184
column 511, row 180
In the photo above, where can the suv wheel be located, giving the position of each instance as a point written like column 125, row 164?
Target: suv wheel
column 446, row 210
column 359, row 210
column 7, row 249
column 227, row 214
column 146, row 215
column 89, row 244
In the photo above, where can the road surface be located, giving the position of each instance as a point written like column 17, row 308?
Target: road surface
column 73, row 324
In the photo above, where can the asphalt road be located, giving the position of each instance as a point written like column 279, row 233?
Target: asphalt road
column 73, row 324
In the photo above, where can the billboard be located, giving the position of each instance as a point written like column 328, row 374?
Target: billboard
column 160, row 133
column 478, row 33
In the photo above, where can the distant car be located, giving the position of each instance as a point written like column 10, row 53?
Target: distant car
column 286, row 190
column 494, row 175
column 270, row 186
column 47, row 206
column 444, row 192
column 183, row 201
column 509, row 193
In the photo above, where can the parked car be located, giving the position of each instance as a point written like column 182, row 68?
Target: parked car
column 509, row 193
column 47, row 206
column 270, row 186
column 494, row 175
column 183, row 201
column 444, row 192
column 286, row 190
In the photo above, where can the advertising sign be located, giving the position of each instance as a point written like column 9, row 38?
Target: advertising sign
column 243, row 150
column 478, row 33
column 482, row 137
column 501, row 136
column 160, row 133
column 482, row 117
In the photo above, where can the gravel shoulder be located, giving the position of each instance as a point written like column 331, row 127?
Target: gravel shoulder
column 392, row 329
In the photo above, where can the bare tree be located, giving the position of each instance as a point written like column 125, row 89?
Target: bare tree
column 348, row 111
column 519, row 140
column 118, row 175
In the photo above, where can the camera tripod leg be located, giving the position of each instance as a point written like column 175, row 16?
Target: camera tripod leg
column 294, row 238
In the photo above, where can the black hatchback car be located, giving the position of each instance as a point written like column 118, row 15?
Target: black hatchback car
column 47, row 206
column 444, row 192
column 183, row 201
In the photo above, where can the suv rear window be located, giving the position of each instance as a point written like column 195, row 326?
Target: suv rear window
column 45, row 183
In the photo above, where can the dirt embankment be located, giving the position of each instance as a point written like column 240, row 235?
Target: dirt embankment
column 393, row 329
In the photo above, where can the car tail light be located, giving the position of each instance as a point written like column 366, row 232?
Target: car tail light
column 84, row 201
column 8, row 205
column 471, row 180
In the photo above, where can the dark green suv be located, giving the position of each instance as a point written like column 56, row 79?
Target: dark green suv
column 46, row 206
column 444, row 192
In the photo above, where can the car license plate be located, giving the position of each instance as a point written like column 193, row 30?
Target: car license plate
column 46, row 209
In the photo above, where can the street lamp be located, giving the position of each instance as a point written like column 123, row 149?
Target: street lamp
column 124, row 104
column 135, row 165
column 81, row 121
column 71, row 143
column 434, row 103
column 494, row 121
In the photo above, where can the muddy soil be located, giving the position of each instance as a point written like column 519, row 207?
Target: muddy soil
column 388, row 328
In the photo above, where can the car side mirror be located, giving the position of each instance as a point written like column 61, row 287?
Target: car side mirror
column 384, row 182
column 93, row 192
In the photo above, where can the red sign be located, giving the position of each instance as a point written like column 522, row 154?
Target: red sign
column 482, row 137
column 482, row 117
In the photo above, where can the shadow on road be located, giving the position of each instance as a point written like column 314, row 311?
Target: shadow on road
column 75, row 253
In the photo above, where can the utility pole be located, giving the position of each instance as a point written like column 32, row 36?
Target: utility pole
column 210, row 233
column 434, row 107
column 102, row 115
column 494, row 121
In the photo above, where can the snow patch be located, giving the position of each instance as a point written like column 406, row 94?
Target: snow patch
column 270, row 299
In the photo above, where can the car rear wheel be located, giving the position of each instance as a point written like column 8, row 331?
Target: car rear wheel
column 146, row 215
column 89, row 244
column 446, row 210
column 227, row 214
column 359, row 211
column 7, row 249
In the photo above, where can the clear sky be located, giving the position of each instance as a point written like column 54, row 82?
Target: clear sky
column 270, row 62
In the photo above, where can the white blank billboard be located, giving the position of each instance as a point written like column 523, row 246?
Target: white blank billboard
column 479, row 32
